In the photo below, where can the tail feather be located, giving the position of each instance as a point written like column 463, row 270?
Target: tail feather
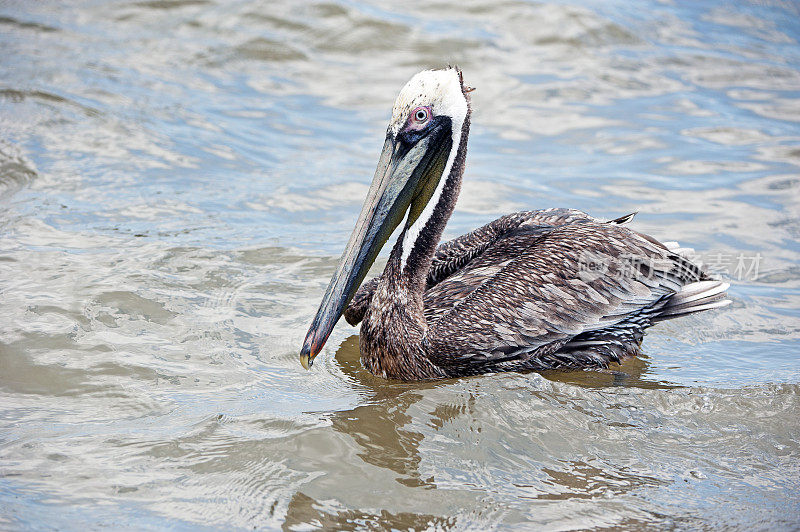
column 695, row 297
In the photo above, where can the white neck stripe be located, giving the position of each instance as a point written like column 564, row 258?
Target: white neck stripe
column 412, row 233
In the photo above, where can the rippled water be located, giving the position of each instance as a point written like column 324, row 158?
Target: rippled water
column 179, row 177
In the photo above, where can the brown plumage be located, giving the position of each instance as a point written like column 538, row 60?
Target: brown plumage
column 535, row 290
column 545, row 290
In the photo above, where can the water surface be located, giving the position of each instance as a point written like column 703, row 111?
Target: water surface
column 179, row 177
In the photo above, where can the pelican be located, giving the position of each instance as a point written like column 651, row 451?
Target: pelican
column 532, row 290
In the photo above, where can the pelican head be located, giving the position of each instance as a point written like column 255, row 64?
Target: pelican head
column 421, row 144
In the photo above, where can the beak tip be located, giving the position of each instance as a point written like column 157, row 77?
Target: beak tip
column 307, row 355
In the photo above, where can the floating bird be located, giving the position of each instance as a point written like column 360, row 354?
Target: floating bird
column 532, row 290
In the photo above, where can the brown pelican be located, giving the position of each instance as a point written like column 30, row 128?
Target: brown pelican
column 546, row 289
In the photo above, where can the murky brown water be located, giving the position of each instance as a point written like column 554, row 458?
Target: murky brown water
column 178, row 179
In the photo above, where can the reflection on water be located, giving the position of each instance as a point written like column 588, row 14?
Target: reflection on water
column 178, row 179
column 304, row 510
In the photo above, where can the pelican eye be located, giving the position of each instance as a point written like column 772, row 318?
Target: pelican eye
column 421, row 115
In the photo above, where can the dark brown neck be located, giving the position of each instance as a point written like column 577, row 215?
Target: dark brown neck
column 394, row 324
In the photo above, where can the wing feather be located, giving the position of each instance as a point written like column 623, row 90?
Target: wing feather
column 554, row 285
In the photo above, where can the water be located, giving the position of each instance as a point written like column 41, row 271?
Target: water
column 179, row 177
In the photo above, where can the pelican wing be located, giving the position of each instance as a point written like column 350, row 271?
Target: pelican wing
column 452, row 256
column 534, row 290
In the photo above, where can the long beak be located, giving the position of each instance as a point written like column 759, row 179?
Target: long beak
column 402, row 170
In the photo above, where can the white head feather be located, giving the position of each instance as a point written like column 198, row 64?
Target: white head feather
column 438, row 89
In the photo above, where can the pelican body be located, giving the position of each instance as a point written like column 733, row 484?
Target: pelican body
column 536, row 290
